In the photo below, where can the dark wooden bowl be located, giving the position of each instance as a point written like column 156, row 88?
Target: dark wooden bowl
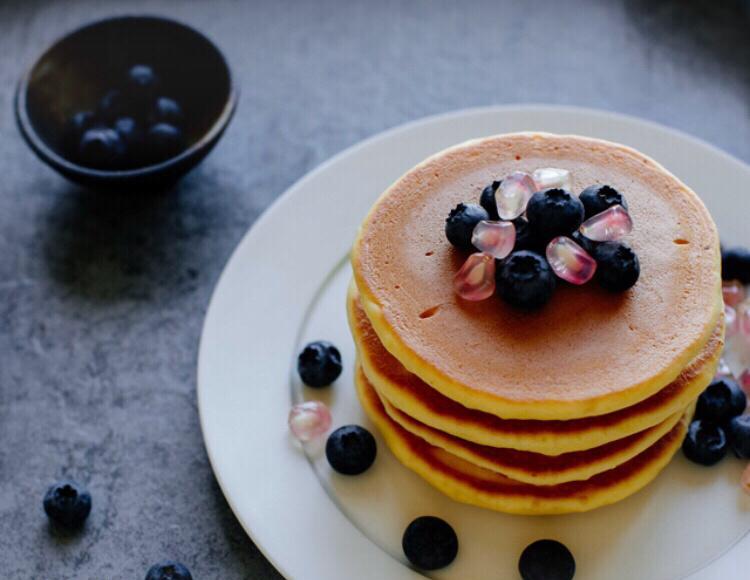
column 78, row 70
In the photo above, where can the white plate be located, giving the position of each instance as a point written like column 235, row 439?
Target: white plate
column 285, row 285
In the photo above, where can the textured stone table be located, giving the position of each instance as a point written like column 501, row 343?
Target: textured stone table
column 102, row 298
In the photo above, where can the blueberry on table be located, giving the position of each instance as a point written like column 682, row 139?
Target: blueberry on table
column 101, row 148
column 617, row 265
column 739, row 436
column 554, row 212
column 67, row 504
column 525, row 280
column 319, row 364
column 164, row 141
column 430, row 543
column 735, row 264
column 546, row 560
column 351, row 450
column 168, row 570
column 722, row 400
column 166, row 110
column 705, row 442
column 597, row 198
column 460, row 224
column 487, row 200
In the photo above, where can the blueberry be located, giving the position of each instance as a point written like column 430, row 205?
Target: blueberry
column 166, row 110
column 351, row 449
column 587, row 244
column 112, row 106
column 142, row 81
column 430, row 543
column 525, row 240
column 553, row 212
column 525, row 280
column 487, row 200
column 168, row 570
column 597, row 198
column 546, row 560
column 75, row 126
column 722, row 400
column 461, row 222
column 67, row 504
column 101, row 148
column 739, row 436
column 164, row 141
column 617, row 266
column 705, row 443
column 319, row 364
column 127, row 128
column 735, row 264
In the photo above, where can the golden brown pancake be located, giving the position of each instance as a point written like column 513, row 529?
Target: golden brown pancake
column 533, row 468
column 409, row 394
column 470, row 484
column 588, row 352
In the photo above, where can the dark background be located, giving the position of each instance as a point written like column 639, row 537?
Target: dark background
column 102, row 298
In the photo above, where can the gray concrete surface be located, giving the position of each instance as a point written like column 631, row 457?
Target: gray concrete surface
column 102, row 298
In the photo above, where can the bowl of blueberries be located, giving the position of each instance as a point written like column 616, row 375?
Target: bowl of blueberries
column 132, row 101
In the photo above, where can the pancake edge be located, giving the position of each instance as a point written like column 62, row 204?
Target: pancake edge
column 573, row 473
column 549, row 443
column 518, row 503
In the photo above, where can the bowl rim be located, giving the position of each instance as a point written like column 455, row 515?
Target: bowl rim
column 47, row 154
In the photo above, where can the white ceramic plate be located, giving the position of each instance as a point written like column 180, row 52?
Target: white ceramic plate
column 285, row 285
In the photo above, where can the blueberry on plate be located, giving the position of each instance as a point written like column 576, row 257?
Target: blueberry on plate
column 319, row 364
column 460, row 224
column 112, row 105
column 351, row 449
column 617, row 266
column 546, row 560
column 430, row 543
column 67, row 504
column 101, row 148
column 488, row 201
column 722, row 400
column 705, row 442
column 735, row 264
column 525, row 240
column 739, row 436
column 166, row 110
column 597, row 198
column 168, row 570
column 554, row 212
column 525, row 280
column 164, row 141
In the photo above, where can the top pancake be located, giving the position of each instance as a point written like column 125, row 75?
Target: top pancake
column 588, row 352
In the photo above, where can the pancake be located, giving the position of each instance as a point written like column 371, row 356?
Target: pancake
column 409, row 394
column 588, row 352
column 533, row 468
column 467, row 483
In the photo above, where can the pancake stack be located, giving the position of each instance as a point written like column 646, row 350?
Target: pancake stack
column 564, row 409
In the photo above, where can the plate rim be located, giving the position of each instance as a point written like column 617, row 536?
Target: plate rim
column 286, row 197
